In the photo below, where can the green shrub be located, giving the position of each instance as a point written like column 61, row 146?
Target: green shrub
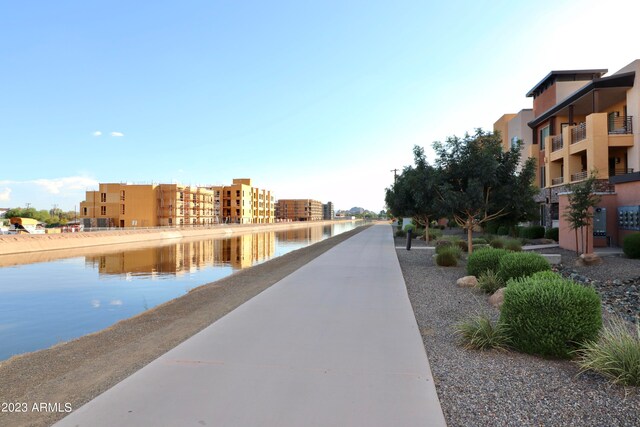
column 497, row 243
column 462, row 244
column 435, row 232
column 480, row 333
column 533, row 232
column 401, row 233
column 448, row 256
column 449, row 247
column 512, row 245
column 408, row 227
column 631, row 245
column 484, row 259
column 479, row 241
column 490, row 282
column 552, row 233
column 615, row 355
column 550, row 316
column 521, row 264
column 503, row 230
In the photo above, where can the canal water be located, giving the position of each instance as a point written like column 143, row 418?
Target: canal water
column 45, row 303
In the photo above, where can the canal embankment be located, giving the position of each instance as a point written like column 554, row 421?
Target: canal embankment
column 29, row 243
column 74, row 372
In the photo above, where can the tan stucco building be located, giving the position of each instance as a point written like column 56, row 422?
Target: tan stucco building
column 241, row 203
column 299, row 210
column 147, row 205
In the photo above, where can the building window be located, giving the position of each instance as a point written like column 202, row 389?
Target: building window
column 103, row 197
column 514, row 142
column 543, row 177
column 122, row 195
column 103, row 210
column 544, row 133
column 122, row 209
column 84, row 211
column 170, row 221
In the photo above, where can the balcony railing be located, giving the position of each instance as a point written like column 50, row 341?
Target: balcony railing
column 620, row 171
column 558, row 180
column 579, row 176
column 579, row 133
column 620, row 125
column 556, row 142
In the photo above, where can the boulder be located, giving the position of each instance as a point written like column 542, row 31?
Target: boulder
column 589, row 259
column 497, row 298
column 467, row 282
column 553, row 259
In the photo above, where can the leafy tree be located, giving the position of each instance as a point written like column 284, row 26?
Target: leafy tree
column 480, row 182
column 414, row 192
column 578, row 213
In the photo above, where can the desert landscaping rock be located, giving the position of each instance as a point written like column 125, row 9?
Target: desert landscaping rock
column 467, row 282
column 497, row 298
column 589, row 260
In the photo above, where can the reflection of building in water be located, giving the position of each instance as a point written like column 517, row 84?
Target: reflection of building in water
column 171, row 259
column 242, row 251
column 312, row 234
column 180, row 258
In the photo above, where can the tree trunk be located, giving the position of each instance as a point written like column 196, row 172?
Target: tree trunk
column 586, row 233
column 576, row 230
column 582, row 238
column 426, row 230
column 470, row 236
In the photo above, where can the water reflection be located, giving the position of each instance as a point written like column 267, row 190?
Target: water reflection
column 64, row 295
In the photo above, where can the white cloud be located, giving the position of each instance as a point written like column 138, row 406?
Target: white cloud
column 118, row 134
column 5, row 195
column 97, row 133
column 70, row 183
column 95, row 303
column 115, row 302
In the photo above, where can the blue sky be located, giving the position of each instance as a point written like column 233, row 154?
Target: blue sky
column 309, row 99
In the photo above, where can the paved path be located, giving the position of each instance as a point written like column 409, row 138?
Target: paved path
column 333, row 344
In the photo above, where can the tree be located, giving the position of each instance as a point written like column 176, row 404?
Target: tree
column 480, row 182
column 414, row 193
column 578, row 213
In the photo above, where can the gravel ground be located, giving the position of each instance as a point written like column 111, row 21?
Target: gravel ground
column 501, row 388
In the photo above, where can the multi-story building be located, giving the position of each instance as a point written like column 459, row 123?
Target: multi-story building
column 328, row 213
column 514, row 127
column 242, row 203
column 583, row 122
column 299, row 210
column 148, row 205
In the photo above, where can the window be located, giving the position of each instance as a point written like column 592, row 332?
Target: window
column 103, row 197
column 514, row 142
column 122, row 209
column 84, row 211
column 170, row 221
column 543, row 177
column 122, row 195
column 103, row 210
column 544, row 132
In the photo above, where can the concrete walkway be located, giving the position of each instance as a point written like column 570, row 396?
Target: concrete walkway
column 333, row 344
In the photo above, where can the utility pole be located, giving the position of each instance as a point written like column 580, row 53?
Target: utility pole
column 28, row 205
column 395, row 174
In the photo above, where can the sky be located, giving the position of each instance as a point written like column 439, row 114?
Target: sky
column 309, row 99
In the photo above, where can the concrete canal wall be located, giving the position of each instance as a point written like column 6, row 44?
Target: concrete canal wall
column 25, row 243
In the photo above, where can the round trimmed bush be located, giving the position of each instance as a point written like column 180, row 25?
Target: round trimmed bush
column 401, row 233
column 448, row 256
column 484, row 259
column 497, row 243
column 549, row 315
column 533, row 232
column 631, row 245
column 552, row 234
column 521, row 264
column 512, row 245
column 479, row 241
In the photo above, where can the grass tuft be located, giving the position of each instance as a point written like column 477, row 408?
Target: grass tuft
column 480, row 333
column 615, row 355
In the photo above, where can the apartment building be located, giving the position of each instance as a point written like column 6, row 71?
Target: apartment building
column 299, row 210
column 583, row 121
column 241, row 203
column 147, row 205
column 513, row 128
column 328, row 212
